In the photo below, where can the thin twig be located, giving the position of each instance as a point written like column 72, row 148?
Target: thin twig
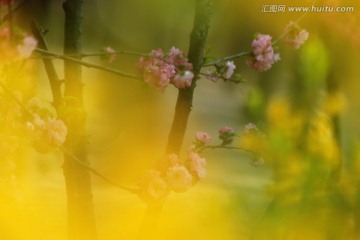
column 235, row 56
column 49, row 66
column 97, row 173
column 221, row 146
column 83, row 55
column 89, row 65
column 220, row 77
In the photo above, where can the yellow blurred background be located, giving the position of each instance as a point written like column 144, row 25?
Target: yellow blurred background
column 128, row 123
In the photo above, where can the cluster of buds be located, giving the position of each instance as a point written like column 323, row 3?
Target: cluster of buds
column 160, row 69
column 172, row 174
column 226, row 134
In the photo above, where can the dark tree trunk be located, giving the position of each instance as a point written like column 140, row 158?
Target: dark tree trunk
column 81, row 217
column 185, row 96
column 183, row 105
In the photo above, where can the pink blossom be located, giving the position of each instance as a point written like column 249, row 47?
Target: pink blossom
column 263, row 53
column 197, row 165
column 177, row 57
column 155, row 188
column 27, row 47
column 173, row 160
column 230, row 66
column 203, row 137
column 179, row 178
column 295, row 36
column 159, row 69
column 183, row 80
column 48, row 133
column 157, row 73
column 224, row 130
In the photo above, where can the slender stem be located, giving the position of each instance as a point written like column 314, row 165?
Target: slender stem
column 219, row 77
column 97, row 173
column 221, row 146
column 83, row 55
column 89, row 65
column 49, row 66
column 235, row 56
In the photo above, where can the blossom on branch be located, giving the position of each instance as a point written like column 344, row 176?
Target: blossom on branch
column 226, row 134
column 212, row 76
column 153, row 187
column 177, row 57
column 172, row 174
column 179, row 178
column 27, row 47
column 230, row 66
column 183, row 79
column 48, row 133
column 203, row 137
column 157, row 73
column 263, row 53
column 295, row 36
column 197, row 165
column 159, row 70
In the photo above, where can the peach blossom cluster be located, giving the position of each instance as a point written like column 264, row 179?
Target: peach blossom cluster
column 295, row 36
column 47, row 131
column 172, row 174
column 160, row 69
column 263, row 54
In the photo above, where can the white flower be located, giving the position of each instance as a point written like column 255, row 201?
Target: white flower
column 230, row 66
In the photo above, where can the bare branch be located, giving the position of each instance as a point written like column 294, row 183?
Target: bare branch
column 89, row 65
column 49, row 66
column 96, row 172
